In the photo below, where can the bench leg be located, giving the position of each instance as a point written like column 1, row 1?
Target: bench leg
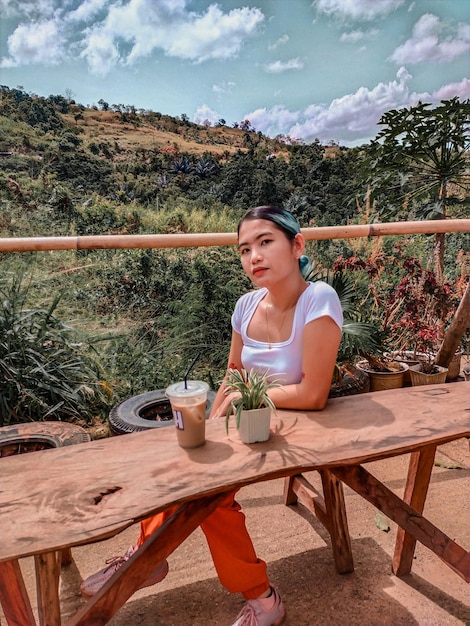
column 13, row 595
column 65, row 556
column 329, row 510
column 337, row 522
column 47, row 582
column 403, row 514
column 416, row 489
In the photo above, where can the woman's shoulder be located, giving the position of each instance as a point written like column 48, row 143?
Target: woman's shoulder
column 320, row 288
column 251, row 296
column 250, row 299
column 322, row 299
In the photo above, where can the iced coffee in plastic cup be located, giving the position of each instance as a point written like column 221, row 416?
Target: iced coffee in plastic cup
column 188, row 403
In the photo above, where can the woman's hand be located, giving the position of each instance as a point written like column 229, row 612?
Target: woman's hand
column 221, row 409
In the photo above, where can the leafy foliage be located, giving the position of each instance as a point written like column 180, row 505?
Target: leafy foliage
column 71, row 170
column 418, row 164
column 47, row 371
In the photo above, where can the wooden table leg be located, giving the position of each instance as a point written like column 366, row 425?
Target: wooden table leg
column 112, row 596
column 416, row 489
column 407, row 517
column 13, row 595
column 330, row 510
column 65, row 556
column 47, row 583
column 337, row 522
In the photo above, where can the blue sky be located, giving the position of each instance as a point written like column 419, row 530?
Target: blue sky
column 321, row 69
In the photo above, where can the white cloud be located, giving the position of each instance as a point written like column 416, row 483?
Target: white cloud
column 100, row 52
column 113, row 31
column 214, row 35
column 280, row 42
column 32, row 9
column 273, row 121
column 357, row 9
column 87, row 10
column 204, row 113
column 276, row 67
column 446, row 92
column 355, row 36
column 425, row 45
column 223, row 87
column 351, row 119
column 352, row 37
column 39, row 42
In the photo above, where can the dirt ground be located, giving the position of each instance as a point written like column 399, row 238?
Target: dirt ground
column 297, row 550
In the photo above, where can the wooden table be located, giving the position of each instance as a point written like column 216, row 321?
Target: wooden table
column 66, row 497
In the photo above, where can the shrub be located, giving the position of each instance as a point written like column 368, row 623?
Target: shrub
column 47, row 371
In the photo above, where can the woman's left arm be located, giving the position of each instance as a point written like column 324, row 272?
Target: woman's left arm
column 321, row 340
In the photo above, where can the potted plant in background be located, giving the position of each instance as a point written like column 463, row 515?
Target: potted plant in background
column 426, row 371
column 252, row 410
column 419, row 310
column 358, row 338
column 384, row 373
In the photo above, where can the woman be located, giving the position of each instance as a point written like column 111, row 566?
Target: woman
column 292, row 328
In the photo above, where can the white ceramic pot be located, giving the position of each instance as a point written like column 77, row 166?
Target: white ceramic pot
column 254, row 425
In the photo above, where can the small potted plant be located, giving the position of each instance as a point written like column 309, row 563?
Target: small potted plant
column 426, row 371
column 253, row 408
column 384, row 373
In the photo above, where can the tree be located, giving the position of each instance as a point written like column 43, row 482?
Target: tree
column 420, row 161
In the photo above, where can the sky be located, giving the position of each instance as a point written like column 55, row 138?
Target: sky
column 305, row 69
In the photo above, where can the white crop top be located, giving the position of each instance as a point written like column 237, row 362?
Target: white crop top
column 284, row 359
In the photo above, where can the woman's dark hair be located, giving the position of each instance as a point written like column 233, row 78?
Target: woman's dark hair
column 285, row 221
column 282, row 218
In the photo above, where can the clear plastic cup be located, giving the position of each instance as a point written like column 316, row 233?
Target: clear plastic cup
column 188, row 404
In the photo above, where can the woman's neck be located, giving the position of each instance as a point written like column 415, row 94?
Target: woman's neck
column 284, row 297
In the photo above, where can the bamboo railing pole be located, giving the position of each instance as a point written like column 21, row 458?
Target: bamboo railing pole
column 92, row 242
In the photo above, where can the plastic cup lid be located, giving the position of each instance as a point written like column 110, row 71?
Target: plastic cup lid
column 193, row 388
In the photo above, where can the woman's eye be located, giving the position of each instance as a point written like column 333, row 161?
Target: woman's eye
column 244, row 250
column 265, row 241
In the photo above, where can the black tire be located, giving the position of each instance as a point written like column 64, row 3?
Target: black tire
column 147, row 410
column 33, row 436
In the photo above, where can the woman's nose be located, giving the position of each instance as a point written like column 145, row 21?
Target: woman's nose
column 255, row 255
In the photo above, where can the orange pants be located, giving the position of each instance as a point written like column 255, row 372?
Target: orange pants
column 238, row 567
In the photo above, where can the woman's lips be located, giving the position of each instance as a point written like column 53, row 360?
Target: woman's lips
column 259, row 270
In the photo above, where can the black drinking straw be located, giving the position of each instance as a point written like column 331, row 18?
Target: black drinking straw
column 189, row 369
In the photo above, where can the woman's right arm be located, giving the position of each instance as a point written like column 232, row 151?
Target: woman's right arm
column 222, row 401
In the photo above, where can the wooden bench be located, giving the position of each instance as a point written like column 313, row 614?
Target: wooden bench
column 82, row 494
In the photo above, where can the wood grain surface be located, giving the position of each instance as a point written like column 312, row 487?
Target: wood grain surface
column 76, row 495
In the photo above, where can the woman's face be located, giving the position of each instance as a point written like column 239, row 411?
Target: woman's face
column 266, row 253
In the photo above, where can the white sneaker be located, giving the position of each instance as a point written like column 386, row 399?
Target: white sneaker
column 94, row 582
column 254, row 613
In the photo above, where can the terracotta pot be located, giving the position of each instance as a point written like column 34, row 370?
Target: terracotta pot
column 410, row 357
column 379, row 381
column 254, row 425
column 421, row 378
